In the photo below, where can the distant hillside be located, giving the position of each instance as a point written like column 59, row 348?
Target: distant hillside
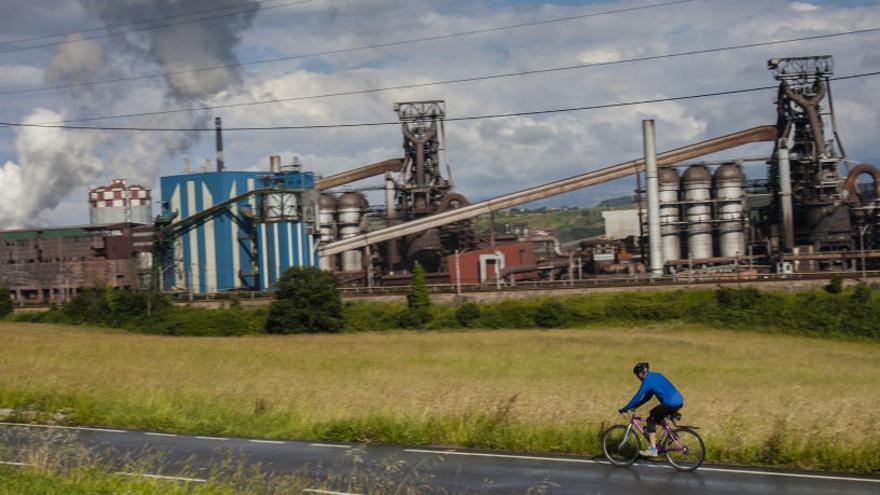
column 567, row 224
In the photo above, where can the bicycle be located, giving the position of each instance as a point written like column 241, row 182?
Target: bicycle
column 683, row 447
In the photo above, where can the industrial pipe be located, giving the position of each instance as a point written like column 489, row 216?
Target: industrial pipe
column 811, row 106
column 654, row 245
column 850, row 185
column 783, row 146
column 356, row 174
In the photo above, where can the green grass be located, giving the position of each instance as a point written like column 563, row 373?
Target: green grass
column 761, row 398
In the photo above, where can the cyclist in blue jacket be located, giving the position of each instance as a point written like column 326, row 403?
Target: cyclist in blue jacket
column 654, row 383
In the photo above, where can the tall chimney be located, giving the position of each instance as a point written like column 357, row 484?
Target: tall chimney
column 219, row 133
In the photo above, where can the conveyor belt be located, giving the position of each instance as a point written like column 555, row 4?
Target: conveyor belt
column 357, row 174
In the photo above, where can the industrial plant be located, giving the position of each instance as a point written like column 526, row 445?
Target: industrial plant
column 220, row 230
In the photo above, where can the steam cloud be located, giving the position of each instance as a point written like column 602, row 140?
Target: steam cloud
column 52, row 163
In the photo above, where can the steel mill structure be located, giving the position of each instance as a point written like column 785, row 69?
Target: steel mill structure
column 810, row 213
column 811, row 208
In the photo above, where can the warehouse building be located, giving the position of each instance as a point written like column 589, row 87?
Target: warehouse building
column 53, row 264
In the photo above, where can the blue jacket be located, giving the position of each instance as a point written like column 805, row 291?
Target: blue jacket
column 656, row 384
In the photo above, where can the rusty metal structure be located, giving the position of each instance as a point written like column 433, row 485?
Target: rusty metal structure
column 421, row 190
column 710, row 216
column 816, row 200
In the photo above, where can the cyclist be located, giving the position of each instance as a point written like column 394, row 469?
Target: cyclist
column 654, row 383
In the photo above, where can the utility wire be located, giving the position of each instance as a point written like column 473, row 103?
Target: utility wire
column 468, row 79
column 349, row 49
column 151, row 28
column 236, row 5
column 452, row 119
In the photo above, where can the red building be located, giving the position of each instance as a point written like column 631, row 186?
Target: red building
column 483, row 265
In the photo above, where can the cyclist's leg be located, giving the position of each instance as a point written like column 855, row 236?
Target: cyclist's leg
column 658, row 414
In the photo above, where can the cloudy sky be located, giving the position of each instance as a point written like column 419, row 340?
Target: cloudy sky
column 46, row 172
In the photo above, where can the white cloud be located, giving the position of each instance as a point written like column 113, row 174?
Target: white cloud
column 804, row 7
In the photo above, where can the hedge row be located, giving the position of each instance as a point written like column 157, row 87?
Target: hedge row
column 850, row 313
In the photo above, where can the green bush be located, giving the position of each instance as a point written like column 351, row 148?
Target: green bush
column 5, row 302
column 414, row 318
column 467, row 314
column 306, row 300
column 370, row 316
column 551, row 314
column 836, row 285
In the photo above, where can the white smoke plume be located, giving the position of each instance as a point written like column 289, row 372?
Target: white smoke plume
column 44, row 167
column 52, row 163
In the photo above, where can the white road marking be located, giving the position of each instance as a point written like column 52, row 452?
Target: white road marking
column 640, row 464
column 212, row 438
column 267, row 441
column 329, row 445
column 789, row 475
column 327, row 492
column 160, row 477
column 153, row 434
column 28, row 425
column 506, row 456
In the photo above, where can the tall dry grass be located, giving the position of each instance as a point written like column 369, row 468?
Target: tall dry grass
column 769, row 399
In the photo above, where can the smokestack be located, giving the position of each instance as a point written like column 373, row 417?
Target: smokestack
column 219, row 134
column 275, row 164
column 653, row 186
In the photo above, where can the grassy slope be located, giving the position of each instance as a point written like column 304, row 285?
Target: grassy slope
column 756, row 396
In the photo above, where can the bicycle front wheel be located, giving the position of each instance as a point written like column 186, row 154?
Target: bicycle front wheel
column 621, row 446
column 686, row 450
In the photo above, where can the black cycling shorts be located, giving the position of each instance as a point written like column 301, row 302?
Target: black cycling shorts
column 658, row 414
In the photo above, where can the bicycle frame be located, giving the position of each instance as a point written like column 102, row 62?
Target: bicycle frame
column 639, row 423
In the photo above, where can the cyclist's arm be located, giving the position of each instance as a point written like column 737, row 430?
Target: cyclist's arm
column 643, row 394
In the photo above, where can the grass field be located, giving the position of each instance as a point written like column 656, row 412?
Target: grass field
column 759, row 398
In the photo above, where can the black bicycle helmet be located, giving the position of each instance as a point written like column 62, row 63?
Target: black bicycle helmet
column 640, row 367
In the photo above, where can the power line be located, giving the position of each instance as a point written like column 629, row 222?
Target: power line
column 451, row 119
column 470, row 79
column 348, row 50
column 130, row 23
column 151, row 28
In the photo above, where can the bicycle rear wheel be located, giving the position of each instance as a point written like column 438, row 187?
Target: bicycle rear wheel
column 687, row 451
column 621, row 448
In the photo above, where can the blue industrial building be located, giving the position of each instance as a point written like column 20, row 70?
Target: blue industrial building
column 236, row 240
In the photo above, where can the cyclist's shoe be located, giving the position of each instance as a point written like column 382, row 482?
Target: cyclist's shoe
column 652, row 452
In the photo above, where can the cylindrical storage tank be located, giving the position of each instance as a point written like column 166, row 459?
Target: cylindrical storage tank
column 729, row 182
column 697, row 183
column 327, row 205
column 669, row 214
column 349, row 209
column 352, row 261
column 118, row 203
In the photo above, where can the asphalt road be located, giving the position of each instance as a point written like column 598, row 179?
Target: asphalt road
column 331, row 466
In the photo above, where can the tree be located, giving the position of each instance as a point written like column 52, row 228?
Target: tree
column 5, row 301
column 417, row 312
column 306, row 300
column 418, row 295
